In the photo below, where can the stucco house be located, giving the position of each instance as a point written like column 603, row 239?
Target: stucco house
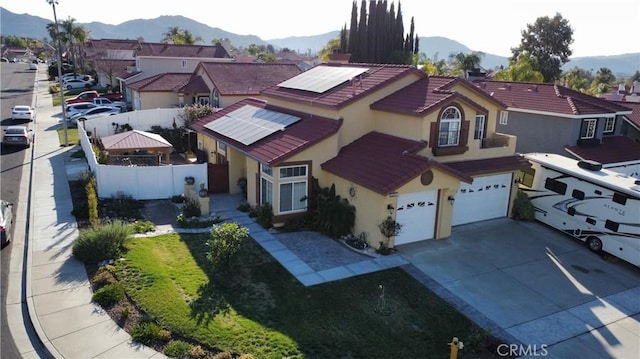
column 394, row 142
column 555, row 119
column 218, row 84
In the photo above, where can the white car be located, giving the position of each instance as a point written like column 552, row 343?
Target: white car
column 96, row 112
column 80, row 107
column 17, row 136
column 77, row 84
column 23, row 112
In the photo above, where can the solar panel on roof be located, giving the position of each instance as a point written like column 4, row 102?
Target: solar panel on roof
column 322, row 78
column 249, row 124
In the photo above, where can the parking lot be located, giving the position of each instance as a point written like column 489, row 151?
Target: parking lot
column 544, row 289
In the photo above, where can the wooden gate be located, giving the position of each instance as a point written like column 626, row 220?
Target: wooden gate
column 218, row 178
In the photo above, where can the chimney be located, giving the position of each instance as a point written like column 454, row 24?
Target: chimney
column 339, row 58
column 621, row 89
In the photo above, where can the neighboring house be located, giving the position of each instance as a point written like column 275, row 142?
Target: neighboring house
column 394, row 142
column 218, row 84
column 555, row 119
column 624, row 94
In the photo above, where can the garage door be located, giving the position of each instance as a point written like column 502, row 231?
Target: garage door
column 417, row 214
column 486, row 198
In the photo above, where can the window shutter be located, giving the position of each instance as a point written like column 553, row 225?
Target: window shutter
column 464, row 133
column 433, row 135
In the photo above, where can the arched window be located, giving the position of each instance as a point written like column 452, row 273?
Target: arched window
column 449, row 132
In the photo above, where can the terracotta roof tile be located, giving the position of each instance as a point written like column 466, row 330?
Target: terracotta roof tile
column 490, row 165
column 547, row 98
column 247, row 78
column 382, row 162
column 162, row 82
column 134, row 140
column 173, row 50
column 377, row 76
column 634, row 116
column 196, row 85
column 613, row 149
column 281, row 145
column 429, row 94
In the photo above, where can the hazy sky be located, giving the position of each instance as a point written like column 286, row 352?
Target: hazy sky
column 603, row 27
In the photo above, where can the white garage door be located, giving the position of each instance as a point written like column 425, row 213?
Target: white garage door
column 417, row 214
column 486, row 198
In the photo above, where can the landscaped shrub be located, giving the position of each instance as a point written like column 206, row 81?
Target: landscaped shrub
column 226, row 240
column 92, row 201
column 108, row 295
column 125, row 311
column 123, row 206
column 101, row 242
column 142, row 226
column 146, row 333
column 191, row 208
column 331, row 214
column 179, row 198
column 264, row 215
column 103, row 277
column 522, row 208
column 177, row 349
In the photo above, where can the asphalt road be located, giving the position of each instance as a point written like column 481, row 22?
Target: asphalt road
column 17, row 89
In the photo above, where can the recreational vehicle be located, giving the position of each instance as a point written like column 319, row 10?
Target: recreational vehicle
column 595, row 205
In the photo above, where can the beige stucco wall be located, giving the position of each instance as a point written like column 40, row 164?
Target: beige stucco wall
column 151, row 100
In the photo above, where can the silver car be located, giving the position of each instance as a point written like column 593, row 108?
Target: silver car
column 80, row 107
column 6, row 221
column 17, row 136
column 96, row 112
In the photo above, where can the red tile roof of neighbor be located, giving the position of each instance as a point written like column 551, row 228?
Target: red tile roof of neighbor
column 383, row 163
column 490, row 165
column 548, row 98
column 613, row 149
column 196, row 85
column 173, row 50
column 634, row 116
column 373, row 79
column 134, row 140
column 430, row 94
column 162, row 82
column 281, row 145
column 247, row 78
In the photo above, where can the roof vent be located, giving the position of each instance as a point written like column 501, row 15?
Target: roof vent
column 590, row 165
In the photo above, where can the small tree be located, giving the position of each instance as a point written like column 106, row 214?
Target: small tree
column 522, row 208
column 226, row 240
column 388, row 228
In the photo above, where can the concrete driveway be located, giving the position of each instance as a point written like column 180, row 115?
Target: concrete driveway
column 542, row 291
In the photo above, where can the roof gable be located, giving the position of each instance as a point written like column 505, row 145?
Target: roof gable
column 162, row 82
column 134, row 140
column 173, row 50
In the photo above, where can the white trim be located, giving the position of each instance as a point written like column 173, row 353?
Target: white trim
column 555, row 114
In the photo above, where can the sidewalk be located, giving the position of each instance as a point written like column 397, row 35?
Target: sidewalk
column 54, row 286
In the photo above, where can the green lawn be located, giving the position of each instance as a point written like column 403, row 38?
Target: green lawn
column 260, row 309
column 72, row 136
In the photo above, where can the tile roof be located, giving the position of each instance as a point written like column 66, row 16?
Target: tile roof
column 117, row 67
column 173, row 50
column 634, row 116
column 247, row 78
column 490, row 165
column 383, row 163
column 613, row 149
column 377, row 76
column 113, row 44
column 134, row 140
column 162, row 82
column 548, row 98
column 195, row 85
column 281, row 145
column 429, row 94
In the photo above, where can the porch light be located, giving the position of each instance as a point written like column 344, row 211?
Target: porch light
column 451, row 199
column 390, row 208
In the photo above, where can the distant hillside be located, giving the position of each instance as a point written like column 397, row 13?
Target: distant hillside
column 435, row 47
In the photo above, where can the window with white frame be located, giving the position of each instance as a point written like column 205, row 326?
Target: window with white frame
column 504, row 117
column 609, row 124
column 293, row 188
column 202, row 100
column 478, row 133
column 266, row 185
column 216, row 99
column 588, row 128
column 222, row 148
column 449, row 132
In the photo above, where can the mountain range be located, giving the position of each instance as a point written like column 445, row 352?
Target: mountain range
column 152, row 30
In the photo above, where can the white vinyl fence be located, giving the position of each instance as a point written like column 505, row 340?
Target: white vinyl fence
column 141, row 182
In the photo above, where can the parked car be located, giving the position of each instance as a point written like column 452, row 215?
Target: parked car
column 6, row 221
column 75, row 76
column 88, row 96
column 103, row 101
column 96, row 112
column 33, row 65
column 77, row 84
column 80, row 107
column 4, row 59
column 23, row 112
column 17, row 136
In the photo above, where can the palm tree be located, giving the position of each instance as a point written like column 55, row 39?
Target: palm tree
column 180, row 37
column 462, row 63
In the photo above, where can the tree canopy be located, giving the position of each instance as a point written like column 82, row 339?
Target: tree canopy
column 180, row 36
column 378, row 36
column 546, row 42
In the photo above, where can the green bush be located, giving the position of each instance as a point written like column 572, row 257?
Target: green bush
column 177, row 349
column 226, row 240
column 92, row 201
column 101, row 242
column 108, row 295
column 191, row 208
column 142, row 226
column 264, row 215
column 103, row 277
column 522, row 208
column 146, row 333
